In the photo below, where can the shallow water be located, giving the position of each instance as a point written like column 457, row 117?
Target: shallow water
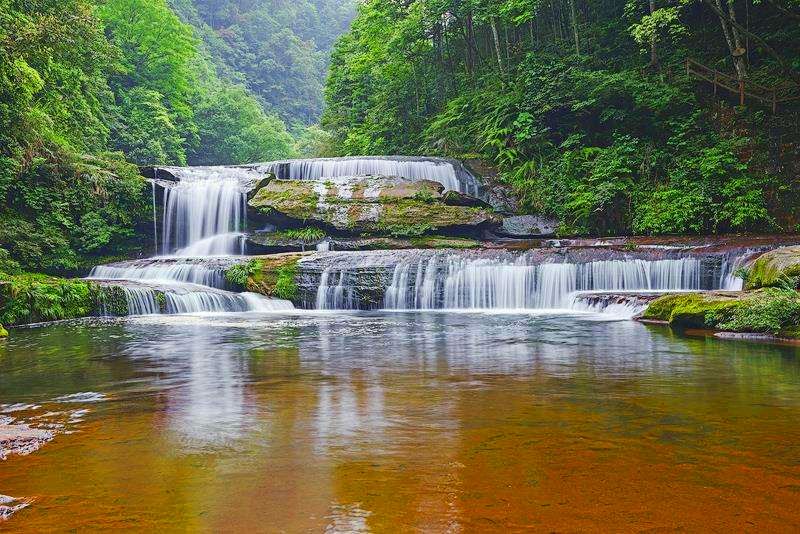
column 401, row 421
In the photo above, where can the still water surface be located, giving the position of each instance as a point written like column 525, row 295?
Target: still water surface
column 433, row 422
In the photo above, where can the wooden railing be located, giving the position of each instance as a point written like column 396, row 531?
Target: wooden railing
column 771, row 96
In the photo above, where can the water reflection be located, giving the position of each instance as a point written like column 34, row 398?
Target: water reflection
column 405, row 421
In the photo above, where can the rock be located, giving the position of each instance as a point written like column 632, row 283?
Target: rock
column 774, row 267
column 454, row 198
column 260, row 184
column 21, row 440
column 499, row 195
column 374, row 205
column 9, row 506
column 3, row 332
column 693, row 310
column 529, row 226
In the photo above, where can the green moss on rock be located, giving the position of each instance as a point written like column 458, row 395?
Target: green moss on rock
column 774, row 268
column 276, row 277
column 693, row 310
column 369, row 205
column 3, row 332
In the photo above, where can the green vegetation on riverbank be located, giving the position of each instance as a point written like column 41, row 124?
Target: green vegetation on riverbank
column 770, row 311
column 31, row 298
column 585, row 107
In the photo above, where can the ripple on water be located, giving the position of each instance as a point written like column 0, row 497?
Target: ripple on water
column 88, row 396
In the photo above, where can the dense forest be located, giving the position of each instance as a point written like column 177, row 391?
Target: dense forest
column 585, row 107
column 91, row 88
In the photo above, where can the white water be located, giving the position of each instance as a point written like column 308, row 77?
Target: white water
column 204, row 213
column 459, row 283
column 428, row 169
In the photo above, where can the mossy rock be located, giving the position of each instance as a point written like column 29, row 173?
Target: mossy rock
column 3, row 332
column 774, row 268
column 694, row 310
column 439, row 242
column 33, row 298
column 275, row 277
column 372, row 205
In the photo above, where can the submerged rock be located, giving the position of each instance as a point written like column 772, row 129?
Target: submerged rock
column 9, row 506
column 375, row 205
column 774, row 268
column 21, row 440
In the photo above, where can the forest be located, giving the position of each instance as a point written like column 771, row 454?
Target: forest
column 89, row 89
column 585, row 107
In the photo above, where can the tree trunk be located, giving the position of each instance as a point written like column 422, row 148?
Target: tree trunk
column 653, row 49
column 496, row 37
column 574, row 16
column 738, row 62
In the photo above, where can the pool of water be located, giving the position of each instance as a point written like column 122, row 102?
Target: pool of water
column 400, row 421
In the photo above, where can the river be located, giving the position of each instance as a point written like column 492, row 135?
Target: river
column 372, row 421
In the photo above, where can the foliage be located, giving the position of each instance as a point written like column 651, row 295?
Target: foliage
column 770, row 311
column 308, row 234
column 278, row 50
column 238, row 274
column 586, row 118
column 29, row 298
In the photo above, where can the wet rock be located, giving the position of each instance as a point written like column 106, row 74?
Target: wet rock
column 9, row 506
column 374, row 205
column 21, row 440
column 528, row 226
column 497, row 194
column 775, row 268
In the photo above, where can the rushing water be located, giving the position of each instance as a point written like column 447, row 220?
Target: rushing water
column 438, row 422
column 437, row 170
column 203, row 212
column 462, row 282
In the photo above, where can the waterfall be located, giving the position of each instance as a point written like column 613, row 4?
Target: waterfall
column 457, row 282
column 437, row 170
column 334, row 297
column 155, row 218
column 160, row 273
column 204, row 211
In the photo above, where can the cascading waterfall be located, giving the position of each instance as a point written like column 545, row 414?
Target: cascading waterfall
column 162, row 273
column 205, row 213
column 457, row 282
column 437, row 170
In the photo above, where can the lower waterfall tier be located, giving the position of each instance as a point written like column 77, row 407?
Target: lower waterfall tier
column 417, row 280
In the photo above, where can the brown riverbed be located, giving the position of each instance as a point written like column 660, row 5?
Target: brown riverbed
column 402, row 422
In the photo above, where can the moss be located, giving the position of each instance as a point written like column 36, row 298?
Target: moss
column 308, row 234
column 693, row 310
column 3, row 332
column 276, row 277
column 294, row 200
column 31, row 298
column 412, row 218
column 437, row 242
column 774, row 268
column 112, row 301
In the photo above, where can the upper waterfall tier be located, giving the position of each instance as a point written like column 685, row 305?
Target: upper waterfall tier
column 205, row 211
column 451, row 174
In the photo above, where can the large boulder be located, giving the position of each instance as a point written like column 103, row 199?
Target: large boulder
column 529, row 226
column 774, row 268
column 373, row 205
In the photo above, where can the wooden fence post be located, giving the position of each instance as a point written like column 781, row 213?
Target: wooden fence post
column 741, row 92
